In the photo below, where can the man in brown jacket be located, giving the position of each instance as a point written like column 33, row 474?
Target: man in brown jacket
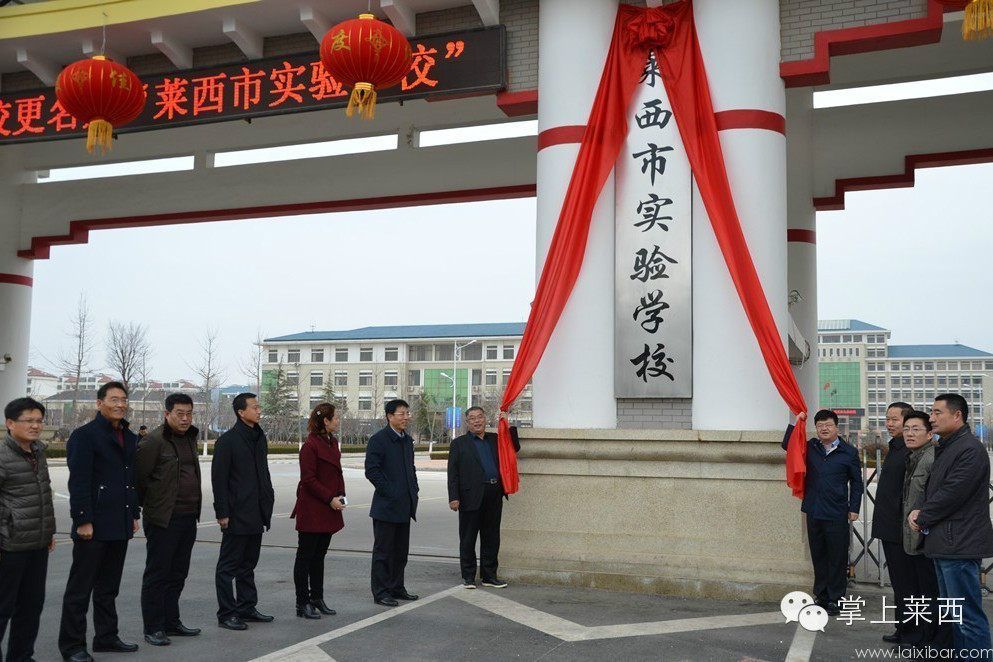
column 27, row 526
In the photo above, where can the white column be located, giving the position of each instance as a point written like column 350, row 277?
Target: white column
column 574, row 384
column 15, row 284
column 732, row 387
column 802, row 251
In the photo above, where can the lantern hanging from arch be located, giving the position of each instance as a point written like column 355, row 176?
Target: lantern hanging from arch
column 367, row 55
column 102, row 93
column 978, row 21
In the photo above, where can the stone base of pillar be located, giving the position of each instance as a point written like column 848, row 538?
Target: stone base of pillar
column 681, row 512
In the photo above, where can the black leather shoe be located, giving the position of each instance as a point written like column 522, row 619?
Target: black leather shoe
column 232, row 623
column 180, row 630
column 495, row 583
column 403, row 595
column 892, row 638
column 81, row 656
column 116, row 646
column 308, row 611
column 322, row 607
column 157, row 638
column 833, row 609
column 255, row 616
column 387, row 602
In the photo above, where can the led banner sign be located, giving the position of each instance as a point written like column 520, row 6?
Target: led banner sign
column 453, row 64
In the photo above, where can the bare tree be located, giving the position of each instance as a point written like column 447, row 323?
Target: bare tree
column 76, row 360
column 209, row 371
column 251, row 364
column 126, row 345
column 142, row 374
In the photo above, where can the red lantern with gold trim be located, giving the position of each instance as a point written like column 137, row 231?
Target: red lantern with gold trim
column 102, row 93
column 366, row 55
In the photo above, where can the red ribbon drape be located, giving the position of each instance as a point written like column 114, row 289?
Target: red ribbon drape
column 670, row 32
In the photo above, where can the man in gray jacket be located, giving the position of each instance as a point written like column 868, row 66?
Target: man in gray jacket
column 27, row 526
column 955, row 518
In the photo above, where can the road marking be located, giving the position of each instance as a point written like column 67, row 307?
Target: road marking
column 309, row 651
column 802, row 646
column 62, row 496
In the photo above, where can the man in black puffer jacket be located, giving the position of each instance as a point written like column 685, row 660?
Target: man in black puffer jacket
column 27, row 526
column 955, row 519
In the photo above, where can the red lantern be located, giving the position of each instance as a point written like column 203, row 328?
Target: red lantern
column 366, row 55
column 978, row 21
column 102, row 93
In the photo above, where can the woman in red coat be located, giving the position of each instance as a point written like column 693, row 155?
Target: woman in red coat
column 318, row 509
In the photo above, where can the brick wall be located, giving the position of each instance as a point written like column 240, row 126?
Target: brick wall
column 800, row 20
column 655, row 414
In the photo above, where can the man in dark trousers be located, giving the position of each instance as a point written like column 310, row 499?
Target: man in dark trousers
column 389, row 466
column 476, row 492
column 103, row 504
column 29, row 536
column 831, row 499
column 243, row 501
column 955, row 520
column 170, row 496
column 887, row 516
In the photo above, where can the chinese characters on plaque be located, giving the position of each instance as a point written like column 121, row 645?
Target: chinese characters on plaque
column 653, row 317
column 453, row 64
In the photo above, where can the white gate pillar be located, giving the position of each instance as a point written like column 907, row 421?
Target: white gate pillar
column 15, row 283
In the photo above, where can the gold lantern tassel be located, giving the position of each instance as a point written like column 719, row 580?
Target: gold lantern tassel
column 100, row 133
column 363, row 99
column 978, row 23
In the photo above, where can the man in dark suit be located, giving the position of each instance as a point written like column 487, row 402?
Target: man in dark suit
column 103, row 504
column 887, row 518
column 389, row 466
column 243, row 501
column 476, row 492
column 831, row 499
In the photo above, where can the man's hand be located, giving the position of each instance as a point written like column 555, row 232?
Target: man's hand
column 223, row 522
column 912, row 520
column 336, row 504
column 51, row 545
column 852, row 517
column 137, row 525
column 503, row 414
column 454, row 505
column 85, row 531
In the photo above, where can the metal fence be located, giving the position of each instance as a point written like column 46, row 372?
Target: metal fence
column 867, row 562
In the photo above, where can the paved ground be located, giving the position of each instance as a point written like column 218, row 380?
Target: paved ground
column 448, row 623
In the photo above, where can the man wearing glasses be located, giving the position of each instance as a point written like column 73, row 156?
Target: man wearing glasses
column 831, row 499
column 103, row 504
column 27, row 534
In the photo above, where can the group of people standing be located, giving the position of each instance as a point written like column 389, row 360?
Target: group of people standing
column 931, row 515
column 116, row 479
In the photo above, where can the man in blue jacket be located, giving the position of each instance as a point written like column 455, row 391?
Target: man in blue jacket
column 389, row 466
column 103, row 504
column 831, row 499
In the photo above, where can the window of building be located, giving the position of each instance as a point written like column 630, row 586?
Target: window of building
column 953, row 382
column 391, row 379
column 340, row 378
column 918, row 365
column 492, row 352
column 315, row 399
column 871, row 367
column 491, row 377
column 831, row 339
column 942, row 381
column 846, row 339
column 420, row 352
column 392, row 354
column 905, row 365
column 444, row 352
column 413, row 378
column 918, row 380
column 473, row 352
column 477, row 377
column 929, row 365
column 988, row 365
column 273, row 356
column 293, row 356
column 929, row 380
column 341, row 354
column 293, row 378
column 508, row 352
column 953, row 365
column 506, row 375
column 831, row 352
column 857, row 350
column 317, row 355
column 317, row 379
column 365, row 378
column 365, row 403
column 365, row 354
column 941, row 365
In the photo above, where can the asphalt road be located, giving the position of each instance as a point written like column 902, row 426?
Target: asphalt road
column 434, row 534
